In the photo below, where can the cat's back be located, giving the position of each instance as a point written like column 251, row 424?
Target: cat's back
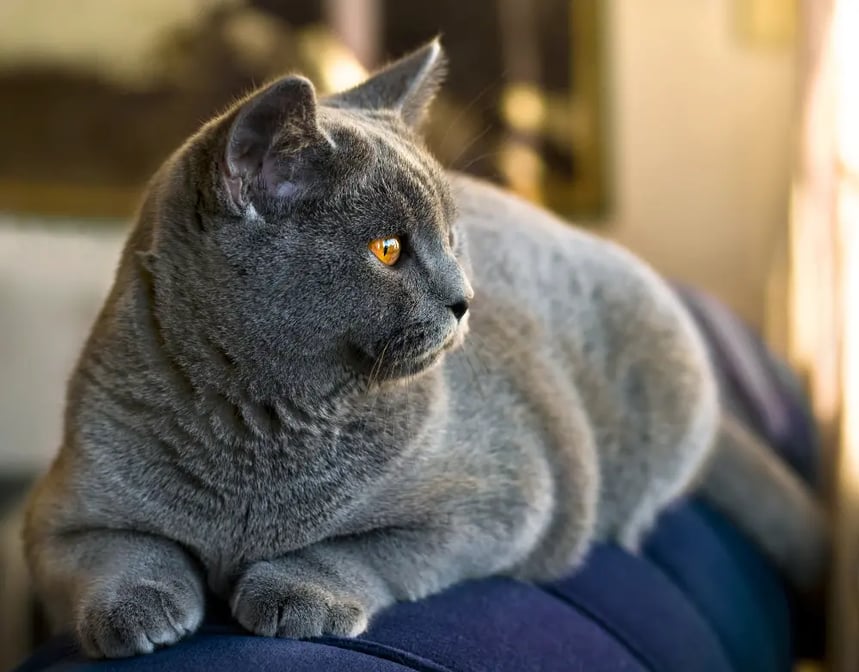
column 602, row 328
column 563, row 298
column 526, row 260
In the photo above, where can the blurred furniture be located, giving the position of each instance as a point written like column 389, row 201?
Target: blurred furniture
column 699, row 597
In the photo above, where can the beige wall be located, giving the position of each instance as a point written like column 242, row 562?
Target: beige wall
column 702, row 143
column 53, row 278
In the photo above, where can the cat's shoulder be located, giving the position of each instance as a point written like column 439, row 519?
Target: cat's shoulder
column 488, row 210
column 504, row 225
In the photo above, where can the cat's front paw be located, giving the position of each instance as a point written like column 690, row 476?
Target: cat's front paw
column 137, row 616
column 271, row 600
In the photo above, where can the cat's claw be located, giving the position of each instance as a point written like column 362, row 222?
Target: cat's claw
column 269, row 602
column 135, row 618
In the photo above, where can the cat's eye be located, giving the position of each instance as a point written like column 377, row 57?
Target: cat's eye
column 387, row 250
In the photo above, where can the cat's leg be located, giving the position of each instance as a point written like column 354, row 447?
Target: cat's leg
column 659, row 411
column 335, row 587
column 669, row 456
column 648, row 482
column 124, row 593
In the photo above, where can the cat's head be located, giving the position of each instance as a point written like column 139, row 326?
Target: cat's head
column 315, row 238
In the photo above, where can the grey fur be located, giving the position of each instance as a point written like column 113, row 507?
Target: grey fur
column 264, row 406
column 770, row 504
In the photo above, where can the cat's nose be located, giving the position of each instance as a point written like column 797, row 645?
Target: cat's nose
column 459, row 308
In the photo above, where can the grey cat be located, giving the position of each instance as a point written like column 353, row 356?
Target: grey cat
column 280, row 400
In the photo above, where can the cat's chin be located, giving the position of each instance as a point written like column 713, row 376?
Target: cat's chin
column 425, row 362
column 402, row 368
column 406, row 369
column 459, row 334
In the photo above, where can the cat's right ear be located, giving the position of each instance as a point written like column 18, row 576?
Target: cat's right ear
column 406, row 86
column 264, row 143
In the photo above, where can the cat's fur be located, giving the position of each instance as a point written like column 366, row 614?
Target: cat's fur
column 265, row 408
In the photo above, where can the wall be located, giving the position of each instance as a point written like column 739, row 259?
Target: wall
column 701, row 124
column 52, row 283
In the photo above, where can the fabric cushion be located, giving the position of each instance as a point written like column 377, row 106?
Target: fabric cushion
column 699, row 597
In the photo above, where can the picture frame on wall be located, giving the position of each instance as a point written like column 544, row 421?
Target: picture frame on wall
column 524, row 104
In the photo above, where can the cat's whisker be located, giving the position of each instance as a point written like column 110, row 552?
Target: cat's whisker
column 373, row 371
column 475, row 160
column 469, row 145
column 461, row 114
column 474, row 376
column 377, row 365
column 474, row 346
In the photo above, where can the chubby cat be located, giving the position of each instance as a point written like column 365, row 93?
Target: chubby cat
column 330, row 376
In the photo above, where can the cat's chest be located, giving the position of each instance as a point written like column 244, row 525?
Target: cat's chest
column 263, row 500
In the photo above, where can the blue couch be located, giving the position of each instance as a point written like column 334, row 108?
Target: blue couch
column 699, row 598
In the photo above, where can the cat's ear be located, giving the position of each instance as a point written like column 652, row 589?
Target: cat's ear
column 406, row 86
column 267, row 136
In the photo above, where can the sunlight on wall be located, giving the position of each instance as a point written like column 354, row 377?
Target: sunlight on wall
column 825, row 216
column 813, row 330
column 846, row 48
column 825, row 289
column 702, row 143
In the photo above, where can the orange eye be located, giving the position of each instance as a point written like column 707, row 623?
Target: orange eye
column 387, row 250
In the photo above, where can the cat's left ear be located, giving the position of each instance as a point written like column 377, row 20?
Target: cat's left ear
column 406, row 86
column 268, row 138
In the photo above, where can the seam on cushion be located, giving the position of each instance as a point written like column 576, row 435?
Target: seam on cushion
column 605, row 626
column 385, row 652
column 694, row 606
column 691, row 596
column 681, row 586
column 704, row 511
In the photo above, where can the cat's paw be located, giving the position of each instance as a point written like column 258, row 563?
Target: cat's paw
column 137, row 616
column 270, row 600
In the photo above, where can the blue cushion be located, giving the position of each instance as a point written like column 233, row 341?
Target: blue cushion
column 730, row 584
column 699, row 597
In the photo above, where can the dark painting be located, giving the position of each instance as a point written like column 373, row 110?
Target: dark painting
column 522, row 106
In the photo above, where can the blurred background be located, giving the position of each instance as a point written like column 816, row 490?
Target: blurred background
column 702, row 134
column 666, row 125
